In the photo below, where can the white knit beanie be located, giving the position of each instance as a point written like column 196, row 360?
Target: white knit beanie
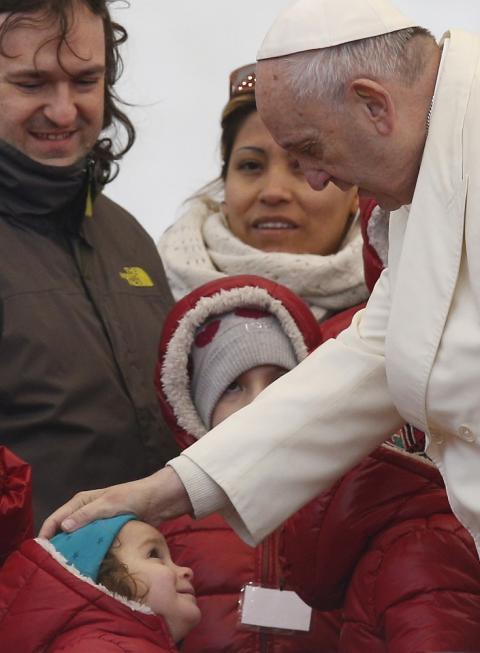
column 229, row 345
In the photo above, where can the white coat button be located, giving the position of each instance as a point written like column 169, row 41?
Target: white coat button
column 466, row 434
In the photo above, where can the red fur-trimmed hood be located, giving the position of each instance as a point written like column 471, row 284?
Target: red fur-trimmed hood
column 214, row 298
column 46, row 605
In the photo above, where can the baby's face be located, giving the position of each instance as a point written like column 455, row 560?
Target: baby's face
column 169, row 587
column 244, row 390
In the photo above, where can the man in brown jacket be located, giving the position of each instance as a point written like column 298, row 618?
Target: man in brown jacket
column 82, row 289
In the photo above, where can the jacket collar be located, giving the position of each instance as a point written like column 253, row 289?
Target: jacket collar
column 46, row 198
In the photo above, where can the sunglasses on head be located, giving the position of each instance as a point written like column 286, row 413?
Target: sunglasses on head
column 242, row 80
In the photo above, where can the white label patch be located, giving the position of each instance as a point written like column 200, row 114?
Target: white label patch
column 274, row 608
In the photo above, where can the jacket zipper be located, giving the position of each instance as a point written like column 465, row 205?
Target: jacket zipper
column 269, row 578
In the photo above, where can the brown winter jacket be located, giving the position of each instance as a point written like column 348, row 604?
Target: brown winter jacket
column 81, row 309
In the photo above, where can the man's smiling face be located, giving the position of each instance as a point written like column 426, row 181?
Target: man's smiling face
column 51, row 97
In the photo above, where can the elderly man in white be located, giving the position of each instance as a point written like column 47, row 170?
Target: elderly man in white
column 361, row 97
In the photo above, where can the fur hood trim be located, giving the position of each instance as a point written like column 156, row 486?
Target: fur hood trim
column 174, row 375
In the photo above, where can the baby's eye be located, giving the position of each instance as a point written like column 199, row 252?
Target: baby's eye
column 233, row 387
column 154, row 553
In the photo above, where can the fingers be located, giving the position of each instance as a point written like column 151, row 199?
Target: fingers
column 71, row 515
column 49, row 527
column 155, row 498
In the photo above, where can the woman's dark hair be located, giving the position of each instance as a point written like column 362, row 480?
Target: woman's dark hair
column 234, row 115
column 19, row 13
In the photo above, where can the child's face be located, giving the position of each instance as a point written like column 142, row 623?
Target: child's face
column 244, row 390
column 169, row 587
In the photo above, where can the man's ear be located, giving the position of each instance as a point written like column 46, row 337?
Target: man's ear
column 375, row 102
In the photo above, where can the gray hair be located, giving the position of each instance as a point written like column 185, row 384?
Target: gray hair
column 326, row 72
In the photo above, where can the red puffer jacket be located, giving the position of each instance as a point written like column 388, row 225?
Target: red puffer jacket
column 223, row 563
column 45, row 608
column 384, row 546
column 16, row 520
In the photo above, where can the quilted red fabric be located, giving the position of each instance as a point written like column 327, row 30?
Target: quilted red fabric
column 384, row 546
column 16, row 519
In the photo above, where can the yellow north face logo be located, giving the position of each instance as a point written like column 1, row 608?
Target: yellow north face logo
column 137, row 277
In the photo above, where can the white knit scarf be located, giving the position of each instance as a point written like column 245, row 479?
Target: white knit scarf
column 200, row 247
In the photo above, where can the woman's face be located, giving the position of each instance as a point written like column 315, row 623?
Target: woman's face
column 269, row 204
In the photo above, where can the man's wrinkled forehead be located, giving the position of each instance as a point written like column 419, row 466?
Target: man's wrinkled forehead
column 47, row 19
column 269, row 81
column 41, row 19
column 11, row 23
column 27, row 35
column 275, row 101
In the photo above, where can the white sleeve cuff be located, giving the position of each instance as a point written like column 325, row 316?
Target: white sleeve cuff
column 205, row 495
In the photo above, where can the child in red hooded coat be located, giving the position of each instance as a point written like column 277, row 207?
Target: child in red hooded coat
column 109, row 587
column 221, row 345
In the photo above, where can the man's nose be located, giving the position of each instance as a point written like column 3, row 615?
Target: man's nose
column 61, row 109
column 317, row 179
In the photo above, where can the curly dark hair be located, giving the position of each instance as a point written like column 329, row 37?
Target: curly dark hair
column 115, row 576
column 61, row 11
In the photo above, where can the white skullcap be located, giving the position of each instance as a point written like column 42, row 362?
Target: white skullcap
column 314, row 24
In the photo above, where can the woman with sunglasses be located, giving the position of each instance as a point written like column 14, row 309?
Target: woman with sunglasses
column 261, row 217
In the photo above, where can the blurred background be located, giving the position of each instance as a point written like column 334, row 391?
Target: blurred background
column 177, row 62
